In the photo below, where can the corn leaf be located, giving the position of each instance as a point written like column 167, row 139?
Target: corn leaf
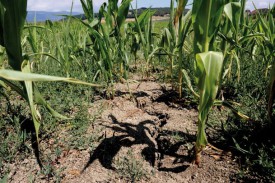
column 29, row 89
column 233, row 12
column 206, row 17
column 189, row 84
column 179, row 11
column 13, row 14
column 209, row 65
column 87, row 6
column 26, row 76
column 123, row 12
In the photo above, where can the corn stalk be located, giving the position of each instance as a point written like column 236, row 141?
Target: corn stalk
column 174, row 36
column 184, row 24
column 206, row 16
column 209, row 64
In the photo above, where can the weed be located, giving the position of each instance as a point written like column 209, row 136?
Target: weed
column 130, row 168
column 50, row 172
column 176, row 137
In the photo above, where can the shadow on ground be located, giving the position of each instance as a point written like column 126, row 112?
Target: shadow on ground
column 158, row 145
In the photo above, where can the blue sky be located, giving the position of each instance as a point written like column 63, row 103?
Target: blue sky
column 64, row 5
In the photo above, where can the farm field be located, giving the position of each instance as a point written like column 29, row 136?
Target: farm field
column 188, row 98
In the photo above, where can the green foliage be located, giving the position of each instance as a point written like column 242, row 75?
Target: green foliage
column 232, row 11
column 12, row 21
column 13, row 15
column 87, row 6
column 130, row 168
column 208, row 74
column 206, row 16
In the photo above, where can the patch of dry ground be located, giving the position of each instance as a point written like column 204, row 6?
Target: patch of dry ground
column 157, row 131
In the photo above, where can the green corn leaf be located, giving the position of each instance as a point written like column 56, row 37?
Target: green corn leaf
column 20, row 76
column 171, row 24
column 32, row 94
column 13, row 14
column 271, row 23
column 29, row 89
column 233, row 12
column 243, row 13
column 90, row 25
column 139, row 26
column 166, row 38
column 112, row 7
column 209, row 65
column 238, row 65
column 87, row 6
column 189, row 84
column 238, row 147
column 206, row 17
column 46, row 54
column 123, row 12
column 250, row 36
column 184, row 28
column 263, row 24
column 142, row 20
column 230, row 105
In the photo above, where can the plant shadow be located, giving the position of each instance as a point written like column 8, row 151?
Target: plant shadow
column 171, row 99
column 27, row 125
column 180, row 150
column 127, row 135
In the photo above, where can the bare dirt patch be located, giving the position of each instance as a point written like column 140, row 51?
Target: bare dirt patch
column 145, row 135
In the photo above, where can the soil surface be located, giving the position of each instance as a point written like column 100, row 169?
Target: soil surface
column 147, row 135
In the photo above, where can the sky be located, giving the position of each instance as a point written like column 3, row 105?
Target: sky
column 65, row 5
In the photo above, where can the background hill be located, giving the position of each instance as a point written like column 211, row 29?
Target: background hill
column 55, row 16
column 41, row 16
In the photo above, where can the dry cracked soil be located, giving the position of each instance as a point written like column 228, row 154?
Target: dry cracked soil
column 147, row 135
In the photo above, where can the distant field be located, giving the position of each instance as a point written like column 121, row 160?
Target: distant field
column 159, row 25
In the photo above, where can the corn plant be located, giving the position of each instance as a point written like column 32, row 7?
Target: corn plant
column 108, row 39
column 115, row 17
column 206, row 16
column 183, row 31
column 230, row 30
column 174, row 37
column 12, row 18
column 143, row 29
column 209, row 64
column 236, row 32
column 138, row 31
column 267, row 27
column 34, row 44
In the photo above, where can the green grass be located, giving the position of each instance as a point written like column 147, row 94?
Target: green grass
column 159, row 25
column 130, row 168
